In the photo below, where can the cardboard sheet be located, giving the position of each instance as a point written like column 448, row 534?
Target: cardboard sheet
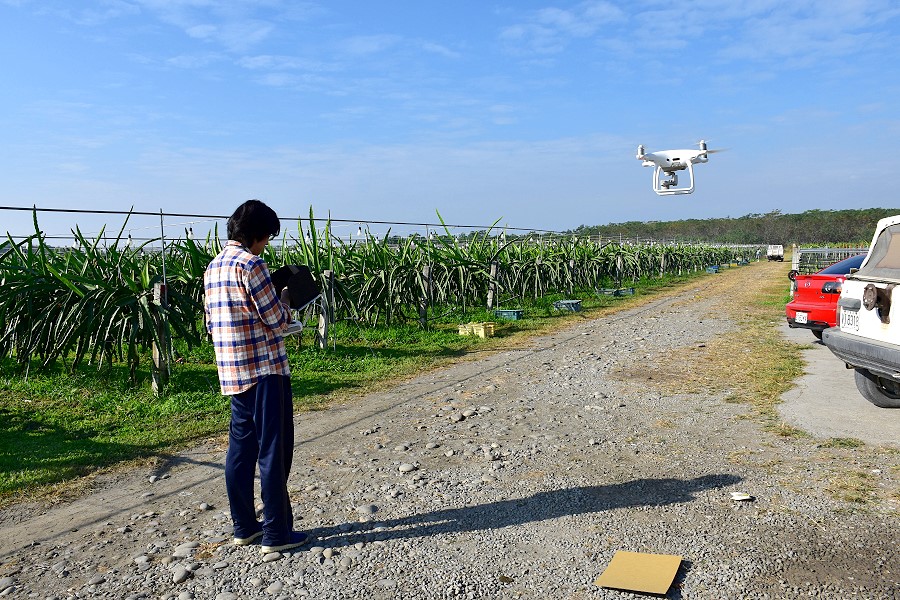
column 638, row 572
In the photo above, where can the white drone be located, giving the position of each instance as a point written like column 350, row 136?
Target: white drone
column 669, row 162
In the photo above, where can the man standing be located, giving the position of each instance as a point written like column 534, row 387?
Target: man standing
column 246, row 318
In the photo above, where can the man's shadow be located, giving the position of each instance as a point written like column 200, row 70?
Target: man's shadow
column 542, row 506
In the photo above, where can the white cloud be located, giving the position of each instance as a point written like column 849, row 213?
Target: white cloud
column 438, row 49
column 549, row 30
column 797, row 34
column 194, row 61
column 236, row 25
column 368, row 44
column 201, row 32
column 243, row 35
column 270, row 62
column 99, row 14
column 277, row 79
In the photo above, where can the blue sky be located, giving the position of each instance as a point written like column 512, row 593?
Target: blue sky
column 527, row 112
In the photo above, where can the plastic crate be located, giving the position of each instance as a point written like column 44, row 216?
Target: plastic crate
column 712, row 269
column 570, row 305
column 484, row 330
column 629, row 291
column 509, row 314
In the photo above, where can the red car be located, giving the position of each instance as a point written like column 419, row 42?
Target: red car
column 815, row 299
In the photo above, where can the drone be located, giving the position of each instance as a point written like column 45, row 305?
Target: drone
column 669, row 162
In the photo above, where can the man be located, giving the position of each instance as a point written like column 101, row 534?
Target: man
column 245, row 318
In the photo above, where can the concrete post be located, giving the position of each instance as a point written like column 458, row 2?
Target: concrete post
column 160, row 368
column 492, row 286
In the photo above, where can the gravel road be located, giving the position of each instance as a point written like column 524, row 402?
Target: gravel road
column 517, row 475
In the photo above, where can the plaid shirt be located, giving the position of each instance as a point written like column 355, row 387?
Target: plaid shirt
column 245, row 318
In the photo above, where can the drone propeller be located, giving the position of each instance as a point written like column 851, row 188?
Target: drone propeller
column 702, row 144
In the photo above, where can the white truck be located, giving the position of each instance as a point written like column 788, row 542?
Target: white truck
column 868, row 339
column 775, row 252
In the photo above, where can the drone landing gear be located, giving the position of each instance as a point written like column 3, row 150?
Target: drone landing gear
column 666, row 184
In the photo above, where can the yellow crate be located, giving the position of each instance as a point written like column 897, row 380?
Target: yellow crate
column 484, row 330
column 466, row 329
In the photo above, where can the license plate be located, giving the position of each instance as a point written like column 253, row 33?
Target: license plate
column 800, row 318
column 849, row 320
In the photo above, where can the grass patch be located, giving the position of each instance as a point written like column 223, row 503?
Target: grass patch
column 785, row 430
column 750, row 364
column 842, row 443
column 62, row 425
column 852, row 486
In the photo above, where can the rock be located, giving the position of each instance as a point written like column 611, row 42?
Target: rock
column 6, row 583
column 180, row 575
column 95, row 580
column 457, row 417
column 367, row 509
column 406, row 468
column 275, row 588
column 272, row 556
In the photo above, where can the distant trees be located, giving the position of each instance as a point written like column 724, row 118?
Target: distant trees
column 810, row 227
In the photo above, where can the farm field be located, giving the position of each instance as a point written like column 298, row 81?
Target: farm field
column 531, row 466
column 98, row 301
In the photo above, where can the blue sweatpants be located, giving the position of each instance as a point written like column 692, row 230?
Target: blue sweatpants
column 262, row 430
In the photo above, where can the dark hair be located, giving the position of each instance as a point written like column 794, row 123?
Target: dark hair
column 251, row 222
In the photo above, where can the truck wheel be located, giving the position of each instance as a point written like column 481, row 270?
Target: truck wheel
column 879, row 391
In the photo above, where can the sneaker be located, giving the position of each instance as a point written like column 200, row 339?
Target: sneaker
column 247, row 540
column 297, row 539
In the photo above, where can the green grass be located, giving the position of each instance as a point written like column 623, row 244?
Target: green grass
column 60, row 425
column 842, row 443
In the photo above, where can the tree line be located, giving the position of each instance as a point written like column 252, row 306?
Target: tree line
column 825, row 227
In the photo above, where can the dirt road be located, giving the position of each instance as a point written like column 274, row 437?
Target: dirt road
column 518, row 475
